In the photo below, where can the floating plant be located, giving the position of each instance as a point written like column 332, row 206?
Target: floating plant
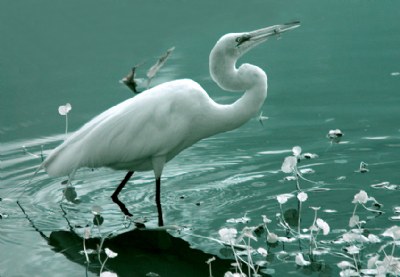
column 289, row 166
column 64, row 110
column 110, row 254
column 262, row 118
column 335, row 135
column 363, row 168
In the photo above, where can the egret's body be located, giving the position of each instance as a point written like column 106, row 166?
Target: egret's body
column 146, row 131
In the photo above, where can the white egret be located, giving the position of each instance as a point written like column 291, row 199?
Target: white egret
column 146, row 131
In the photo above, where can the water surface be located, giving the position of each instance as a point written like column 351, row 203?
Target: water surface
column 339, row 70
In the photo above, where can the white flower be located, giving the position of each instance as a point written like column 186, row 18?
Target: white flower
column 272, row 237
column 300, row 260
column 228, row 235
column 345, row 264
column 307, row 171
column 110, row 253
column 302, row 196
column 373, row 238
column 393, row 232
column 283, row 198
column 296, row 151
column 334, row 133
column 266, row 219
column 289, row 164
column 392, row 264
column 353, row 250
column 370, row 272
column 262, row 251
column 248, row 232
column 372, row 261
column 361, row 197
column 354, row 237
column 348, row 273
column 355, row 221
column 64, row 110
column 285, row 239
column 323, row 225
column 210, row 260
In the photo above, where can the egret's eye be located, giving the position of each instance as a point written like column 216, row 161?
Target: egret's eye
column 240, row 40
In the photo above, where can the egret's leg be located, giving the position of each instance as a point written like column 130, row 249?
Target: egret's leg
column 114, row 196
column 158, row 202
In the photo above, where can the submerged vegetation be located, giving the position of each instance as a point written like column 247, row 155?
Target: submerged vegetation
column 359, row 249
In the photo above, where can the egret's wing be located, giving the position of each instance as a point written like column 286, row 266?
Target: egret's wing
column 127, row 135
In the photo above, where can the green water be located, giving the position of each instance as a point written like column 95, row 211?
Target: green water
column 338, row 70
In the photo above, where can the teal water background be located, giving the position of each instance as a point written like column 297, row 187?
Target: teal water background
column 340, row 69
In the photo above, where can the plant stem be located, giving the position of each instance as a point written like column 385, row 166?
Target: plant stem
column 102, row 265
column 355, row 208
column 66, row 125
column 84, row 250
column 299, row 219
column 236, row 258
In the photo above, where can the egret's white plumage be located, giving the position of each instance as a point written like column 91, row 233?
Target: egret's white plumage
column 146, row 131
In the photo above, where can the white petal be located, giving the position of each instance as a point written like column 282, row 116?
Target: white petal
column 285, row 239
column 300, row 260
column 324, row 226
column 289, row 164
column 393, row 232
column 353, row 250
column 266, row 219
column 348, row 273
column 296, row 151
column 262, row 251
column 302, row 196
column 110, row 253
column 228, row 235
column 272, row 238
column 354, row 221
column 373, row 238
column 345, row 264
column 361, row 197
column 282, row 199
column 372, row 261
column 64, row 109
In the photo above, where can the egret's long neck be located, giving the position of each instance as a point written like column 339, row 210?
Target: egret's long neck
column 248, row 78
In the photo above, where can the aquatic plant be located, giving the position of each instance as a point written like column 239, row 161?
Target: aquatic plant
column 209, row 261
column 354, row 240
column 109, row 254
column 64, row 110
column 335, row 135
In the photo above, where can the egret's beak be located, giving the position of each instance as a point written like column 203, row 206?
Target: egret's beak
column 256, row 37
column 264, row 33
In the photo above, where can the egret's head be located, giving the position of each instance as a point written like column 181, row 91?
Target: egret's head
column 228, row 50
column 235, row 45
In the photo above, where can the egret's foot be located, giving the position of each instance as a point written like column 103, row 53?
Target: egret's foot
column 121, row 206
